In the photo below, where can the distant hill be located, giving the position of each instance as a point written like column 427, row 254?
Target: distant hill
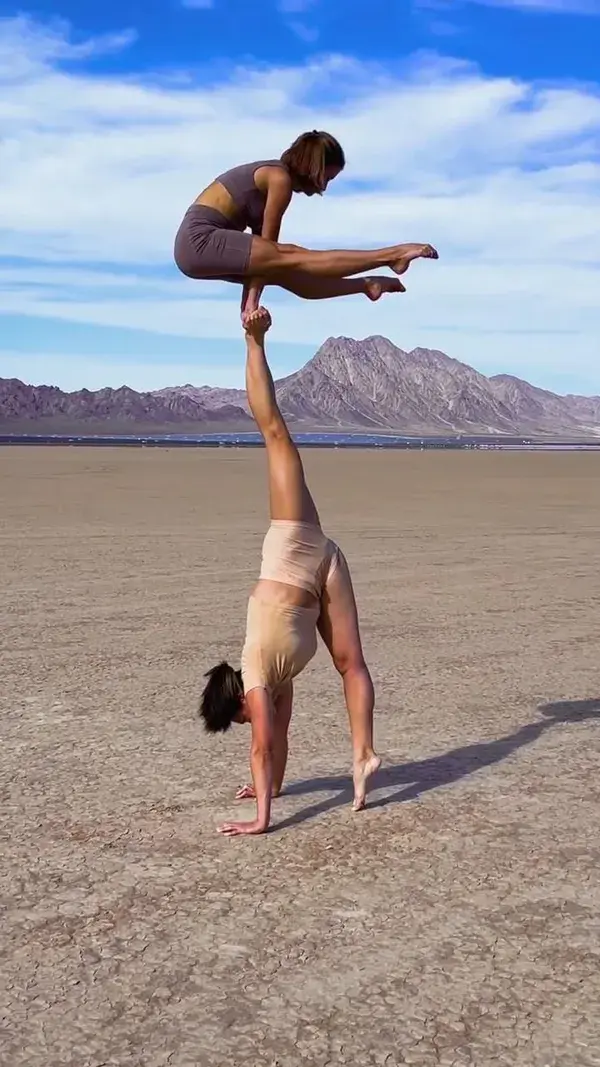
column 348, row 384
column 48, row 409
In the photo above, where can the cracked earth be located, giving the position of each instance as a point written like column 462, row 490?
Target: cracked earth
column 455, row 922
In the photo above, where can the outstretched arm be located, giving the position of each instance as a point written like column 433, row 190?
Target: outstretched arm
column 277, row 185
column 281, row 725
column 261, row 765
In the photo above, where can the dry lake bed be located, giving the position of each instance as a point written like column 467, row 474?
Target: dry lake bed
column 456, row 921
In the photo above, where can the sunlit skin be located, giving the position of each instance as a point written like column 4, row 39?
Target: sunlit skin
column 269, row 716
column 311, row 275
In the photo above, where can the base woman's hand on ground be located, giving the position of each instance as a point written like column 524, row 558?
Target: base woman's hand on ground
column 236, row 829
column 246, row 792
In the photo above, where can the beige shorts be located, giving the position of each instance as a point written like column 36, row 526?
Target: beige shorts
column 299, row 554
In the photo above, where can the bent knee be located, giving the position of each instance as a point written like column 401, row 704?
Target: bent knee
column 349, row 662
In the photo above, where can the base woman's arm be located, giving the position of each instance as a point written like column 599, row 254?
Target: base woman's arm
column 281, row 725
column 261, row 764
column 283, row 714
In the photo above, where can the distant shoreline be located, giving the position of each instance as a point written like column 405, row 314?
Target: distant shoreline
column 307, row 440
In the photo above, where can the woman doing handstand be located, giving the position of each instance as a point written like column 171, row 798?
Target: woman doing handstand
column 212, row 241
column 304, row 587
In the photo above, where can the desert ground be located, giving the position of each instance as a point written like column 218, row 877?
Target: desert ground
column 456, row 921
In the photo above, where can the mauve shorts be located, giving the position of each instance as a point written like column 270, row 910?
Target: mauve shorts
column 206, row 246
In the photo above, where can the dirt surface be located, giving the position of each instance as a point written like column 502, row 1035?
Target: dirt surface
column 456, row 921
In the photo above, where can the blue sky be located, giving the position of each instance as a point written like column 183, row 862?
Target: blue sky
column 474, row 125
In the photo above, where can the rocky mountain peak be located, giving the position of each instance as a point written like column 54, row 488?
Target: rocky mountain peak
column 368, row 384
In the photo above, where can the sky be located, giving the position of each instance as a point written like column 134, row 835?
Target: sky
column 472, row 125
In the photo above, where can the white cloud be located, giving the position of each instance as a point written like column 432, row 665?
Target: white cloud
column 290, row 9
column 502, row 175
column 294, row 7
column 26, row 46
column 306, row 33
column 558, row 7
column 199, row 5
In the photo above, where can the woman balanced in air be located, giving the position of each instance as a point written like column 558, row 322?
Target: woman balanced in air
column 213, row 242
column 304, row 587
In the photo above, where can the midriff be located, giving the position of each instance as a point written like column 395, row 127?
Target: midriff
column 282, row 593
column 216, row 196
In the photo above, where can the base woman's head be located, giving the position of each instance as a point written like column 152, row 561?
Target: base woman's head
column 313, row 160
column 222, row 700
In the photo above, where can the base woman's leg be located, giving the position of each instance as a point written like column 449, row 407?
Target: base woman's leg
column 289, row 495
column 339, row 628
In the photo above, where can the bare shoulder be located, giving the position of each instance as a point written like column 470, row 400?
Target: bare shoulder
column 259, row 696
column 270, row 177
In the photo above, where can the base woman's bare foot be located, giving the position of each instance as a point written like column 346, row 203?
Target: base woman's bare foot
column 378, row 285
column 363, row 769
column 410, row 252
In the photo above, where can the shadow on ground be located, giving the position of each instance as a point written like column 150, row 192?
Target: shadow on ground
column 419, row 777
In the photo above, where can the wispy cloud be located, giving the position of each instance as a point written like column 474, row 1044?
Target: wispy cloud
column 295, row 7
column 25, row 44
column 558, row 7
column 309, row 34
column 291, row 9
column 503, row 175
column 447, row 9
column 199, row 5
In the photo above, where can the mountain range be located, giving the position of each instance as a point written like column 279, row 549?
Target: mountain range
column 370, row 385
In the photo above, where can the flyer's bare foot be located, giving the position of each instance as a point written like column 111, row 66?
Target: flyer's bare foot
column 363, row 769
column 378, row 285
column 410, row 252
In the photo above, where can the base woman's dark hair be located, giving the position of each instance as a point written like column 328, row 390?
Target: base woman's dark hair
column 309, row 156
column 222, row 697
